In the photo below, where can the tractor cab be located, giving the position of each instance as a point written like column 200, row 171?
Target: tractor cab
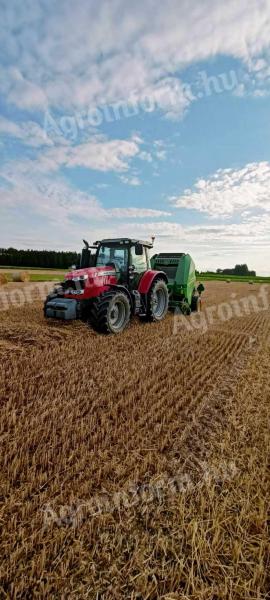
column 128, row 257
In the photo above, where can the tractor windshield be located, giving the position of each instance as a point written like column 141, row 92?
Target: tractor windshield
column 116, row 256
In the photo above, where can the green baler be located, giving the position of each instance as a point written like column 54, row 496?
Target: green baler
column 180, row 270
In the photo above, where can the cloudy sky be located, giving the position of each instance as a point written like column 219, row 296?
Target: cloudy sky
column 146, row 118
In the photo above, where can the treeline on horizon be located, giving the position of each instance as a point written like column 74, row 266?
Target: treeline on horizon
column 52, row 259
column 38, row 258
column 242, row 270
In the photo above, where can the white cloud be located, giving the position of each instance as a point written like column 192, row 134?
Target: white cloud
column 255, row 81
column 130, row 180
column 21, row 91
column 99, row 154
column 28, row 188
column 111, row 155
column 93, row 53
column 229, row 191
column 210, row 246
column 29, row 132
column 137, row 213
column 68, row 57
column 253, row 227
column 55, row 200
column 145, row 156
column 161, row 154
column 63, row 215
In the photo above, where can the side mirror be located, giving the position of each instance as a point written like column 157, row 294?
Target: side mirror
column 138, row 249
column 85, row 258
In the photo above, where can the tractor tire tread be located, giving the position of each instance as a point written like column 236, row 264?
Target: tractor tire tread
column 150, row 317
column 98, row 315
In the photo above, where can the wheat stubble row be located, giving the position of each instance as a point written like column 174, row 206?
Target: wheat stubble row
column 81, row 414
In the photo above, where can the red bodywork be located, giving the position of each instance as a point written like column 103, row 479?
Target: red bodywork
column 93, row 281
column 96, row 281
column 147, row 280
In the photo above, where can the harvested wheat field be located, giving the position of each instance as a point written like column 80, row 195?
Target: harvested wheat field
column 136, row 466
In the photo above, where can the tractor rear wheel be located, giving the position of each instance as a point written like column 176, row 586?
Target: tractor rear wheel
column 110, row 313
column 157, row 301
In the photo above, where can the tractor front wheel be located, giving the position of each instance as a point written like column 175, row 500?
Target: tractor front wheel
column 157, row 301
column 110, row 313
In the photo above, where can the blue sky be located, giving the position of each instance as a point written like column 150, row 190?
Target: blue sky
column 141, row 120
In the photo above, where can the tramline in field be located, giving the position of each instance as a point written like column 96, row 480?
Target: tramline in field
column 119, row 280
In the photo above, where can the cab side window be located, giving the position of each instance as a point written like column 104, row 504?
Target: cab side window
column 120, row 256
column 139, row 261
column 103, row 256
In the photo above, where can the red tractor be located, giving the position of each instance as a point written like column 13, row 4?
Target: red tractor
column 111, row 284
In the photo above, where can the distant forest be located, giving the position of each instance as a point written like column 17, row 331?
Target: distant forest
column 37, row 258
column 238, row 270
column 50, row 259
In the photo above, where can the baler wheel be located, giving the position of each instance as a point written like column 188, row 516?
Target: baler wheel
column 196, row 304
column 110, row 313
column 157, row 301
column 185, row 308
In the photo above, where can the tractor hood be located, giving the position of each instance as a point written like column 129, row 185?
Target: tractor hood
column 89, row 282
column 83, row 274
